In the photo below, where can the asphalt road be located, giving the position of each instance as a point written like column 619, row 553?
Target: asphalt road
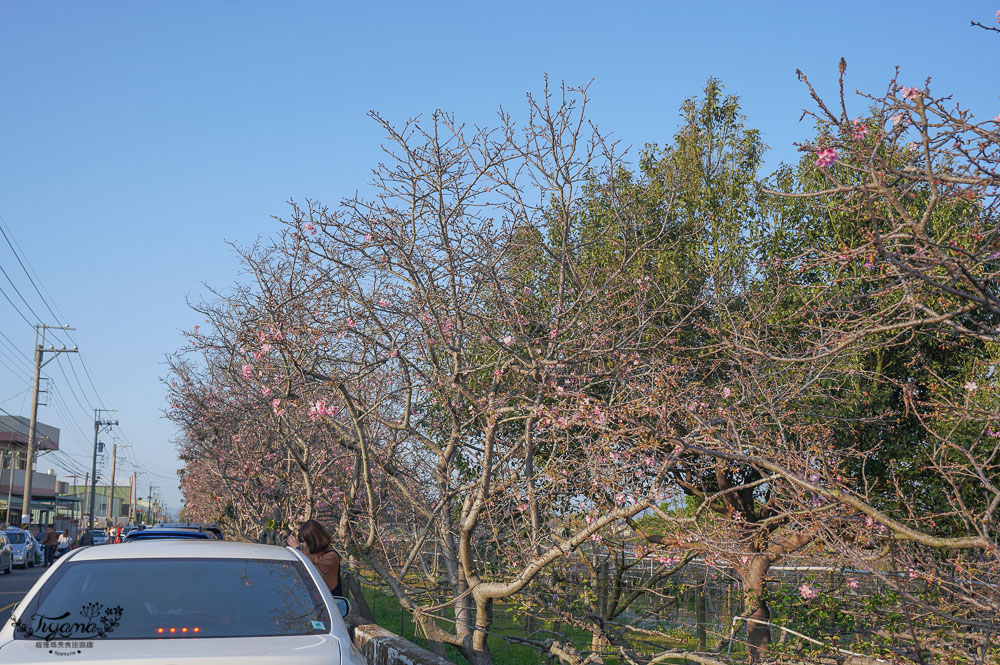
column 14, row 586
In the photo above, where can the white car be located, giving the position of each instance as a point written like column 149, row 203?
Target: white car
column 180, row 601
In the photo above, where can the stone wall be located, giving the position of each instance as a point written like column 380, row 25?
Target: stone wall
column 380, row 647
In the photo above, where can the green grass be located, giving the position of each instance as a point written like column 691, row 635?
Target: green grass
column 506, row 621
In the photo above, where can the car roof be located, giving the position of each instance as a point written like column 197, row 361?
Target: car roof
column 151, row 534
column 185, row 549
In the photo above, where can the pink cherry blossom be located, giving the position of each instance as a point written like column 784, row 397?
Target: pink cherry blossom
column 266, row 391
column 508, row 340
column 860, row 129
column 368, row 237
column 382, row 302
column 971, row 386
column 852, row 583
column 826, row 157
column 910, row 94
column 247, row 371
column 309, row 228
column 726, row 392
column 808, row 591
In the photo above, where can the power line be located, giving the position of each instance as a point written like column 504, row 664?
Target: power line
column 15, row 395
column 71, row 389
column 77, row 377
column 19, row 313
column 14, row 347
column 9, row 368
column 19, row 295
column 21, row 263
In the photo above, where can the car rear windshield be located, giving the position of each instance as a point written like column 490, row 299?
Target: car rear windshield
column 175, row 598
column 15, row 537
column 160, row 535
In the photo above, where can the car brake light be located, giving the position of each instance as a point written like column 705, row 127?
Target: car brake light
column 184, row 629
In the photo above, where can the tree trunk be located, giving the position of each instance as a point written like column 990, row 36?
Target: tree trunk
column 755, row 607
column 476, row 650
column 700, row 618
column 357, row 595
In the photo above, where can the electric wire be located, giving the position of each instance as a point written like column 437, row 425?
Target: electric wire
column 19, row 312
column 21, row 263
column 49, row 303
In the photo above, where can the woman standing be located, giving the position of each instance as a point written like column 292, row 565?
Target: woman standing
column 62, row 546
column 315, row 541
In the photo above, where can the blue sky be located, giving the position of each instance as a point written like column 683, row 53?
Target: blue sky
column 137, row 138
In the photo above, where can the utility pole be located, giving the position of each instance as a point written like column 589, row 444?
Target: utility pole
column 83, row 494
column 131, row 499
column 12, row 458
column 98, row 425
column 40, row 350
column 111, row 499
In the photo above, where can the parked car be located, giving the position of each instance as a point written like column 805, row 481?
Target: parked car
column 163, row 533
column 24, row 546
column 100, row 538
column 6, row 554
column 212, row 529
column 202, row 602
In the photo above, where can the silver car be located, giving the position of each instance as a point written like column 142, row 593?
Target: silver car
column 208, row 602
column 23, row 545
column 6, row 554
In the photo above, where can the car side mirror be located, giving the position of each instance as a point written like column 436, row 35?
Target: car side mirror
column 343, row 605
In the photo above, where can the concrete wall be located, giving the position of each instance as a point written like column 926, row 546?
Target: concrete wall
column 380, row 647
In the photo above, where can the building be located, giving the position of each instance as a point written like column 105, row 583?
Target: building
column 124, row 508
column 47, row 493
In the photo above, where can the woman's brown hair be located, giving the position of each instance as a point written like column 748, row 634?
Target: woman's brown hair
column 315, row 536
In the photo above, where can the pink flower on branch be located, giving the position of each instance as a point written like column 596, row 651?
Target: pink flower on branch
column 860, row 129
column 826, row 157
column 247, row 371
column 910, row 94
column 808, row 591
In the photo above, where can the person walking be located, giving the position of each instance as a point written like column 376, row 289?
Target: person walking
column 63, row 545
column 49, row 543
column 314, row 541
column 87, row 538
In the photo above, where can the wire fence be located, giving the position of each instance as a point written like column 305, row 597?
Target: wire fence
column 699, row 607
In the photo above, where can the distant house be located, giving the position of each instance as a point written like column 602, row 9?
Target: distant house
column 122, row 504
column 47, row 493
